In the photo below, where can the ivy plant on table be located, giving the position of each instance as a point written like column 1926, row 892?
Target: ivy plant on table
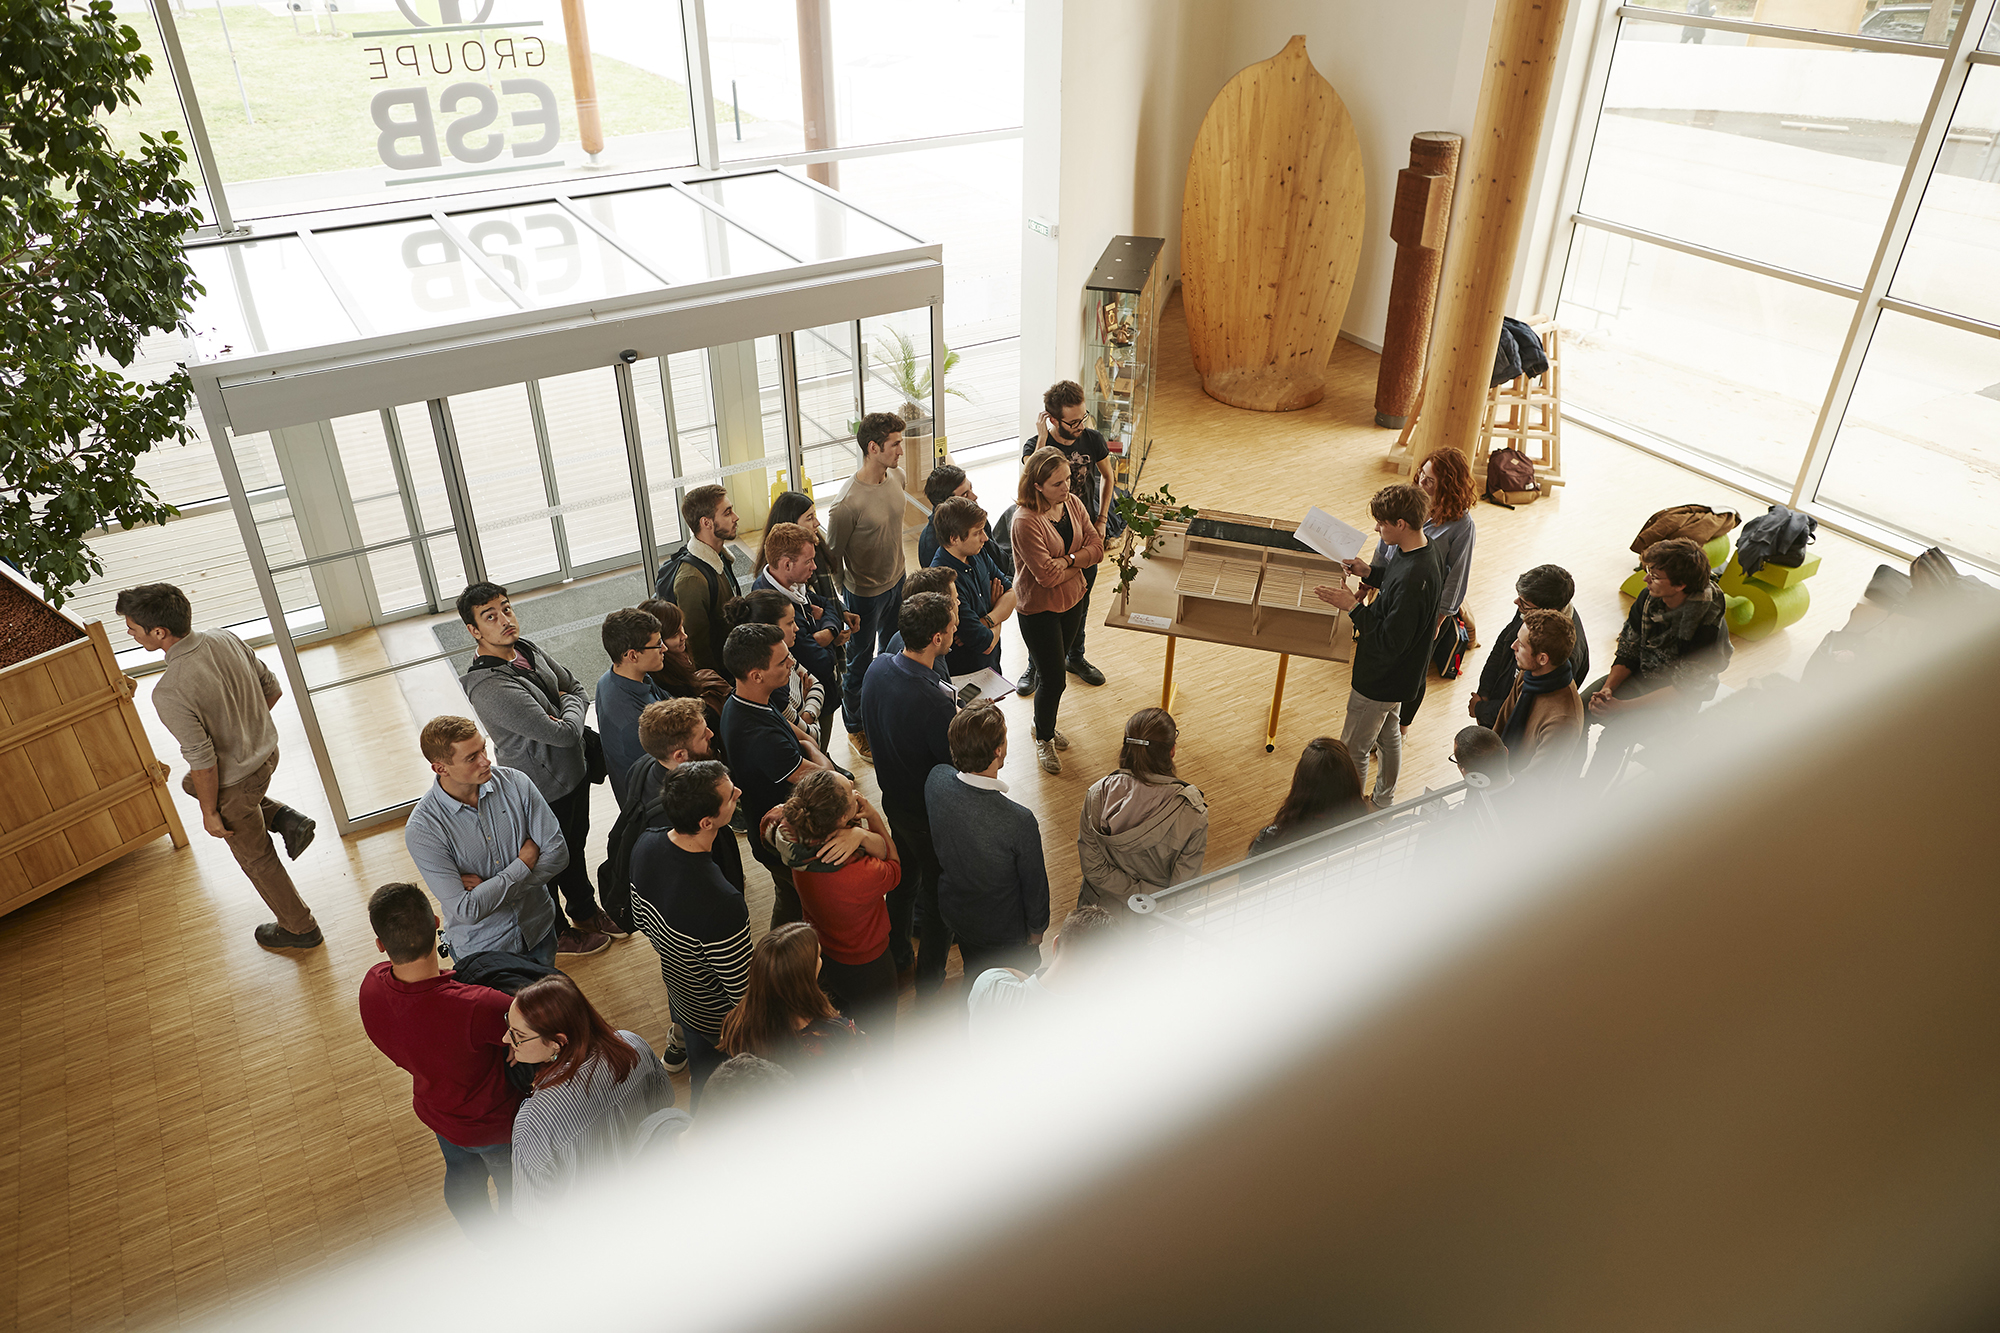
column 1144, row 515
column 90, row 263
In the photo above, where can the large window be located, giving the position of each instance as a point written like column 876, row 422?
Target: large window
column 1783, row 256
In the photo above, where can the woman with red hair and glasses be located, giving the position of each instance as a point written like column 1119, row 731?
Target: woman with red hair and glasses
column 595, row 1096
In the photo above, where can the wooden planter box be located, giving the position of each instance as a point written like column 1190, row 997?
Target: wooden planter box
column 79, row 784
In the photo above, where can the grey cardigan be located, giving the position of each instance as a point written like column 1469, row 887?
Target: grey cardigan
column 516, row 718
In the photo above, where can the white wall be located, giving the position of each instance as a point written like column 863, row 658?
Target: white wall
column 1108, row 139
column 1116, row 91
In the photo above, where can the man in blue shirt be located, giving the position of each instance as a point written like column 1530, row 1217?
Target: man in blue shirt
column 985, row 595
column 632, row 641
column 487, row 844
column 908, row 715
column 916, row 583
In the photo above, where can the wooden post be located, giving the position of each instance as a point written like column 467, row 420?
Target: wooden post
column 582, row 78
column 1479, row 264
column 816, row 86
column 1417, row 224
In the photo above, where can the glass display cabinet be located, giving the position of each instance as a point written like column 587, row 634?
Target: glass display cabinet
column 1122, row 304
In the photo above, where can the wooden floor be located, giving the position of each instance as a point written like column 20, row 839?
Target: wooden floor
column 188, row 1120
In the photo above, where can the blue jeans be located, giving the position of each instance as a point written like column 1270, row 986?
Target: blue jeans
column 878, row 626
column 545, row 952
column 466, row 1171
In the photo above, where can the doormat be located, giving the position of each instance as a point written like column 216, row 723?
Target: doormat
column 564, row 623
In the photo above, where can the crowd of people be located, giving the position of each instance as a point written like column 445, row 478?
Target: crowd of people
column 712, row 719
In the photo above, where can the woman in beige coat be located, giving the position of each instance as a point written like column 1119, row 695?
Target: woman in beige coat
column 1142, row 827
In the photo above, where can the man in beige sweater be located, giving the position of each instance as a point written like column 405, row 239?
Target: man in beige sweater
column 216, row 698
column 866, row 530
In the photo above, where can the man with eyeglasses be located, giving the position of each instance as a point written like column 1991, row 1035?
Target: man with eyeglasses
column 1064, row 424
column 632, row 641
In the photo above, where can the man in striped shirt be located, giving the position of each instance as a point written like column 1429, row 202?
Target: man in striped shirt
column 487, row 844
column 694, row 917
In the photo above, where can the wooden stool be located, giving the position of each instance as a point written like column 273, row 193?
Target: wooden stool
column 1525, row 412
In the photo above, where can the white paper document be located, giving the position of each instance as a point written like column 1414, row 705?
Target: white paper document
column 1329, row 536
column 992, row 685
column 1150, row 622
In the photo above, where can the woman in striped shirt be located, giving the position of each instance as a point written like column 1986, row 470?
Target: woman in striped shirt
column 595, row 1094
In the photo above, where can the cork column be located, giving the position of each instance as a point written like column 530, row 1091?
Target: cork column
column 1417, row 224
column 1498, row 166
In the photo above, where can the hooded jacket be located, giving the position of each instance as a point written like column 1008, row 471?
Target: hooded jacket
column 1138, row 834
column 538, row 732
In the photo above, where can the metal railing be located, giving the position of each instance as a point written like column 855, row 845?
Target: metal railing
column 1218, row 906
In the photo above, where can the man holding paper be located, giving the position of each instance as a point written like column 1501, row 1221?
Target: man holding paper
column 1395, row 632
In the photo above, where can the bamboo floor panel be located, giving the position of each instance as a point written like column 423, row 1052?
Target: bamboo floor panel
column 190, row 1121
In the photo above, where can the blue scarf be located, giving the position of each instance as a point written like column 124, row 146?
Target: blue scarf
column 1516, row 725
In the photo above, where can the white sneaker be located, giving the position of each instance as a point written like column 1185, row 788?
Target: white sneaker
column 1060, row 741
column 1045, row 755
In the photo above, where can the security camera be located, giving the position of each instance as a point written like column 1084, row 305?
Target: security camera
column 628, row 356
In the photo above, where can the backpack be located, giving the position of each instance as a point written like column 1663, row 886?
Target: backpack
column 663, row 588
column 614, row 873
column 1509, row 470
column 1448, row 653
column 1775, row 538
column 1698, row 523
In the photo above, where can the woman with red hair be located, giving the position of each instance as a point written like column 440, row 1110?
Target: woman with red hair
column 1446, row 477
column 595, row 1094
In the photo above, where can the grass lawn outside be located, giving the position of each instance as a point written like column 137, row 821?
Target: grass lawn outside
column 310, row 94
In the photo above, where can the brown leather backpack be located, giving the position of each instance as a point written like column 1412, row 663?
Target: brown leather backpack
column 1698, row 523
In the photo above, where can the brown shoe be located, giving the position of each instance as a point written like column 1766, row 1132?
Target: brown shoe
column 274, row 936
column 575, row 941
column 859, row 741
column 601, row 922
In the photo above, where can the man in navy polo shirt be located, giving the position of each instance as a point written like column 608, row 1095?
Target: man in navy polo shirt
column 908, row 716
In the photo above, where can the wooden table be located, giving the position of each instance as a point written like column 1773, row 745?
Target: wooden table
column 1239, row 595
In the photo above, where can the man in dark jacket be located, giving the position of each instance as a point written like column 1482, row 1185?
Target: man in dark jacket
column 1395, row 633
column 1543, row 588
column 1670, row 653
column 533, row 709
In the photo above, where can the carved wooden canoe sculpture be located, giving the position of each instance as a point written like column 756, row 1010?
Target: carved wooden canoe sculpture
column 1271, row 234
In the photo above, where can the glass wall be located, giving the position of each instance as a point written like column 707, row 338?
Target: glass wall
column 1781, row 260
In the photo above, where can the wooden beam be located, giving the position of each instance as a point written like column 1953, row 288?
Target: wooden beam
column 1499, row 162
column 816, row 86
column 583, row 78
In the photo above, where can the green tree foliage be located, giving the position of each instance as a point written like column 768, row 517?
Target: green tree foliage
column 90, row 262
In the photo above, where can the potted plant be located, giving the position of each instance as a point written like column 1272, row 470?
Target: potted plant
column 1143, row 517
column 908, row 371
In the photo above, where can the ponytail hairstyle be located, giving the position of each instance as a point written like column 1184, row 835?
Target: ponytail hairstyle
column 760, row 606
column 558, row 1011
column 1148, row 749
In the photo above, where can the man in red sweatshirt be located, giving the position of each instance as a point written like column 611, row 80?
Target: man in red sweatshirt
column 452, row 1038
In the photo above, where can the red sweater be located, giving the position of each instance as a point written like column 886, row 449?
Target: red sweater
column 451, row 1037
column 845, row 906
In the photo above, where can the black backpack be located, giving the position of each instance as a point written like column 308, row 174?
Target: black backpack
column 663, row 588
column 1775, row 538
column 1448, row 653
column 614, row 874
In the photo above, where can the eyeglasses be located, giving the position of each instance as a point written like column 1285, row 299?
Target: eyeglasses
column 522, row 1039
column 658, row 646
column 1456, row 760
column 1069, row 424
